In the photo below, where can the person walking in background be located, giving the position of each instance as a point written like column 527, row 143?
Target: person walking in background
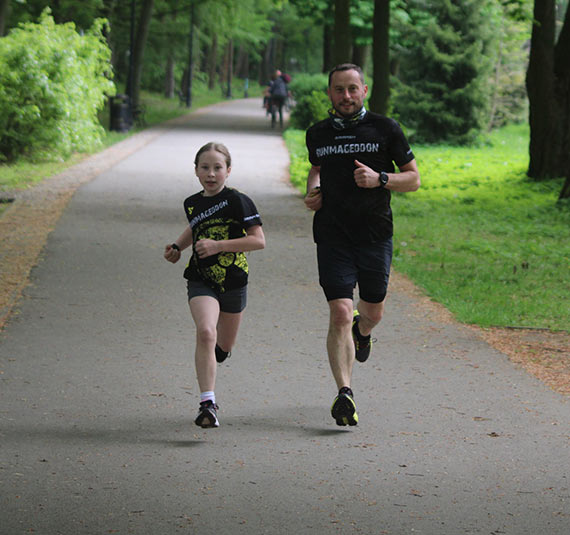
column 352, row 155
column 278, row 92
column 223, row 224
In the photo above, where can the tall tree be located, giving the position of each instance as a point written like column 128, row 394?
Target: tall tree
column 381, row 57
column 138, row 50
column 4, row 9
column 320, row 13
column 548, row 87
column 342, row 49
column 444, row 92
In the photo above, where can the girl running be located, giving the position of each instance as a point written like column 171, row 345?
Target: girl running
column 223, row 224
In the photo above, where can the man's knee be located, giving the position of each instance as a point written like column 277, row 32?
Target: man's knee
column 341, row 313
column 371, row 312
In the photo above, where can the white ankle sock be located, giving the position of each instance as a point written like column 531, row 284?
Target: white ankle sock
column 208, row 396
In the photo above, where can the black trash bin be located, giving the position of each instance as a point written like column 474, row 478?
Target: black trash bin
column 121, row 120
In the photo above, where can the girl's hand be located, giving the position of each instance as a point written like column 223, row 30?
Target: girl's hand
column 171, row 254
column 206, row 248
column 314, row 199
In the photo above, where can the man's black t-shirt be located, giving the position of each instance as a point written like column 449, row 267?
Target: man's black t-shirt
column 224, row 216
column 350, row 214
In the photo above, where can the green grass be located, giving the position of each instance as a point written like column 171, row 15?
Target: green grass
column 479, row 236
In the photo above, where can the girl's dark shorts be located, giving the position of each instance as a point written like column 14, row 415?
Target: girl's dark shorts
column 232, row 301
column 341, row 267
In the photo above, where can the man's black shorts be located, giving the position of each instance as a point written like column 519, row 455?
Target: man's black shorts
column 341, row 267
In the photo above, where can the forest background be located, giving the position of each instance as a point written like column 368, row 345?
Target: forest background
column 481, row 87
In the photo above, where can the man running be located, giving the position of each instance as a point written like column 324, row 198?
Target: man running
column 352, row 154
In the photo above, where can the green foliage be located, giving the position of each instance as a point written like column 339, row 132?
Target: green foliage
column 52, row 83
column 479, row 236
column 309, row 109
column 21, row 174
column 312, row 102
column 299, row 158
column 442, row 94
column 304, row 84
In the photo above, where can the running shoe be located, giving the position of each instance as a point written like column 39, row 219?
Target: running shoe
column 222, row 355
column 362, row 344
column 343, row 409
column 207, row 415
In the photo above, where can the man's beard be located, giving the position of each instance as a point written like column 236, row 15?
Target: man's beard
column 350, row 114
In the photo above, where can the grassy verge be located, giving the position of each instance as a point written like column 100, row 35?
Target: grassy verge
column 22, row 174
column 479, row 236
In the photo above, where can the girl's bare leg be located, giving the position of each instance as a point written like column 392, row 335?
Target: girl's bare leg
column 228, row 326
column 205, row 312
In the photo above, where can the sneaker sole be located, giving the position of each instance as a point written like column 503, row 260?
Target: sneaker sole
column 343, row 410
column 206, row 420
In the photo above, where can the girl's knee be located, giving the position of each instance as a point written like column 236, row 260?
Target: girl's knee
column 206, row 334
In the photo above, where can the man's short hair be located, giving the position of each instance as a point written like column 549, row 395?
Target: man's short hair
column 347, row 67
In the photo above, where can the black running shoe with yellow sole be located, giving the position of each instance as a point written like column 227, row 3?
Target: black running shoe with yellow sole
column 343, row 409
column 362, row 344
column 207, row 415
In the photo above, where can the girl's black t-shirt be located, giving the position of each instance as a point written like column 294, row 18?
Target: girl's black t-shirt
column 350, row 214
column 224, row 216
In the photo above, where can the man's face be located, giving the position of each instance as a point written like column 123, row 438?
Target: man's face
column 347, row 92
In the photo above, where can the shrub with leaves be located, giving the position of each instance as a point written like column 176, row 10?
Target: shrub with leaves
column 312, row 102
column 52, row 83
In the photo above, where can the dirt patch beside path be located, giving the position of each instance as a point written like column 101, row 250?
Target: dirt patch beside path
column 544, row 354
column 26, row 224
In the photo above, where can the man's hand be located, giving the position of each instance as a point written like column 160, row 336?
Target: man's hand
column 314, row 199
column 365, row 177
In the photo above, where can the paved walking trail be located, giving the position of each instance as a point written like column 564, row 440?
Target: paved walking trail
column 98, row 391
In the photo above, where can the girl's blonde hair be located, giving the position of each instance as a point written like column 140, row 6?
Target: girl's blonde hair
column 218, row 147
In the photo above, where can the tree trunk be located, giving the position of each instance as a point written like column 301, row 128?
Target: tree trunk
column 169, row 77
column 230, row 68
column 359, row 55
column 381, row 57
column 140, row 41
column 327, row 48
column 342, row 52
column 169, row 81
column 562, row 94
column 212, row 61
column 241, row 61
column 565, row 193
column 190, row 68
column 4, row 10
column 548, row 98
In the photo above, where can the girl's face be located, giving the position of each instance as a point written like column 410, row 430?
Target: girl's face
column 212, row 172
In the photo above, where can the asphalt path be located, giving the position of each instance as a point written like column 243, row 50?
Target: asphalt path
column 98, row 391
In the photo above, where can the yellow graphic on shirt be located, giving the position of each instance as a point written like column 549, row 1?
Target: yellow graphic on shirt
column 214, row 269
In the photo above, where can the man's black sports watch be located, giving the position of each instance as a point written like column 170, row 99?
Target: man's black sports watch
column 383, row 178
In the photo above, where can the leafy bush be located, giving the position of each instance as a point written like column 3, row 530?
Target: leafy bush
column 52, row 83
column 311, row 100
column 310, row 109
column 304, row 84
